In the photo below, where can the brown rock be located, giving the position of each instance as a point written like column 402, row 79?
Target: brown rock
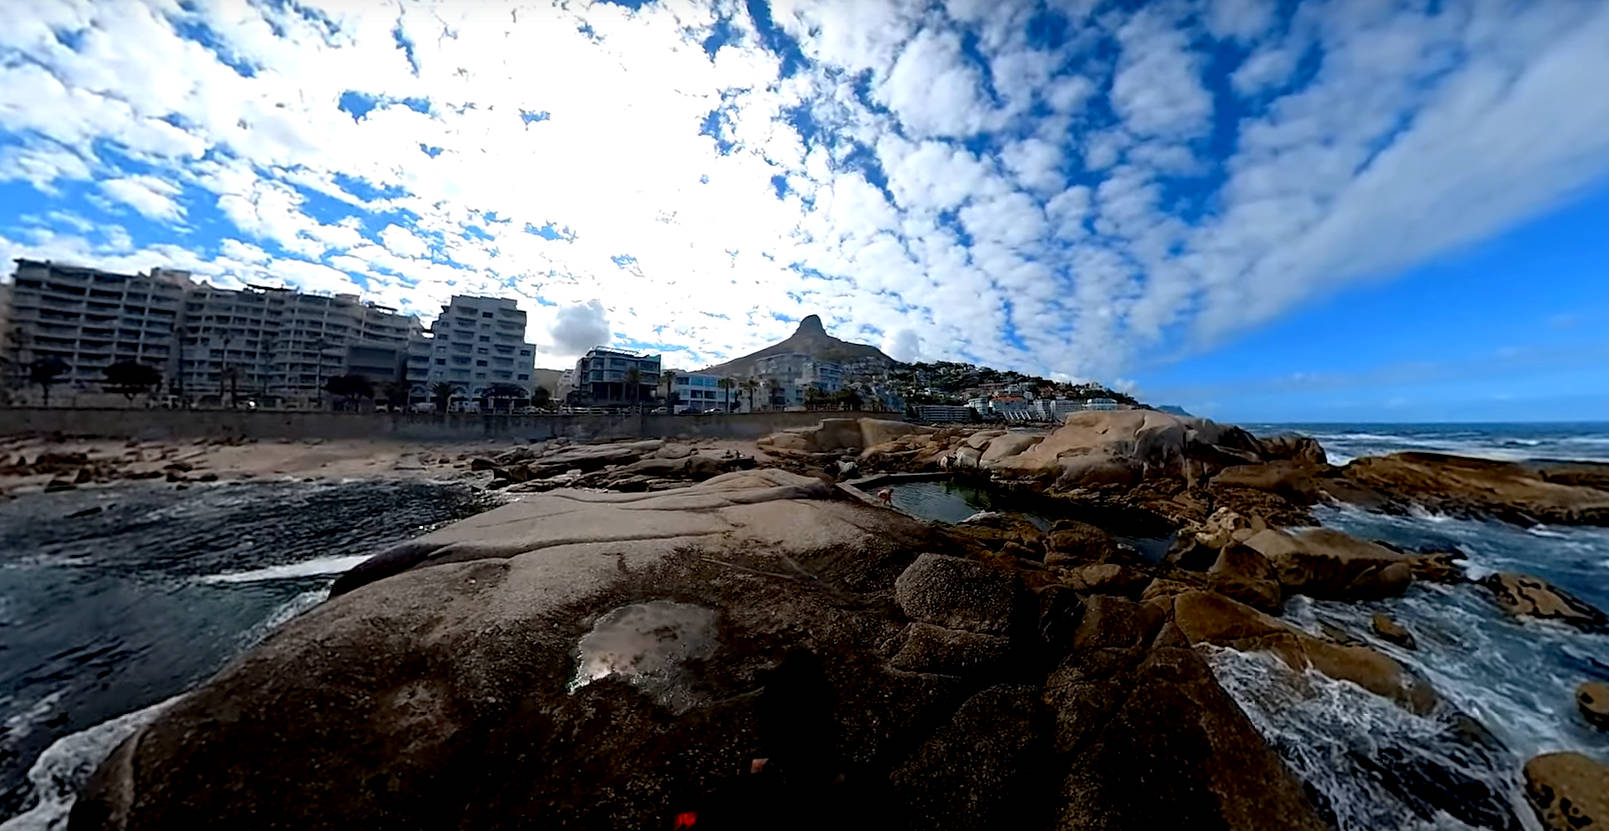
column 55, row 485
column 1079, row 541
column 1245, row 575
column 1523, row 595
column 1568, row 791
column 1296, row 481
column 1108, row 578
column 1460, row 486
column 956, row 593
column 1152, row 741
column 1593, row 699
column 1323, row 562
column 1207, row 617
column 923, row 647
column 1111, row 622
column 1385, row 627
column 980, row 769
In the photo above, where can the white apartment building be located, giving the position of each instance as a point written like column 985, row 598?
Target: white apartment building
column 278, row 346
column 796, row 372
column 695, row 392
column 90, row 319
column 273, row 346
column 476, row 344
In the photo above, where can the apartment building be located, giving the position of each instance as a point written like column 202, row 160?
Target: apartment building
column 795, row 372
column 274, row 347
column 695, row 392
column 476, row 344
column 278, row 346
column 602, row 378
column 91, row 319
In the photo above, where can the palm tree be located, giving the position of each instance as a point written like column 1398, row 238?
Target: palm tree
column 44, row 372
column 441, row 392
column 726, row 385
column 670, row 390
column 774, row 387
column 634, row 381
column 540, row 397
column 396, row 394
column 750, row 386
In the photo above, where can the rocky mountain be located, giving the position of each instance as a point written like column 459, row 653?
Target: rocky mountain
column 811, row 339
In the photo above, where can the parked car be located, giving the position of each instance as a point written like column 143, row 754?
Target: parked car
column 658, row 411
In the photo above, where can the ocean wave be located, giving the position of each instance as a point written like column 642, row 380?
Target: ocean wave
column 307, row 568
column 67, row 763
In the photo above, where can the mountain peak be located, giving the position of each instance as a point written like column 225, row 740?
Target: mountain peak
column 811, row 339
column 811, row 323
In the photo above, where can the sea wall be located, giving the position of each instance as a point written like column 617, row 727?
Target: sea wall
column 262, row 424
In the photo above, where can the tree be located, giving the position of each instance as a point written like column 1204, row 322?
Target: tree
column 749, row 386
column 131, row 378
column 814, row 398
column 726, row 385
column 396, row 393
column 232, row 374
column 350, row 387
column 504, row 394
column 44, row 372
column 540, row 397
column 774, row 387
column 634, row 383
column 442, row 392
column 848, row 399
column 670, row 389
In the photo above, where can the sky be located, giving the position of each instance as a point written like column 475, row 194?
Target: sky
column 1263, row 211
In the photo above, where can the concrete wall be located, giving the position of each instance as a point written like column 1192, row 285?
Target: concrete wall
column 161, row 424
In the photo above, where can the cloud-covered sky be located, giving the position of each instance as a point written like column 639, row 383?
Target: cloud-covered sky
column 1076, row 189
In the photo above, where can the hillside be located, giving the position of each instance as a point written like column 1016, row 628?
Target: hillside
column 811, row 339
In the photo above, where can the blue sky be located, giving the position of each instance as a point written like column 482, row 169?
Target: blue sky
column 1258, row 210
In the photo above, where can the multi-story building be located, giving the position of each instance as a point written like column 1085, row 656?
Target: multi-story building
column 279, row 347
column 273, row 346
column 1056, row 410
column 1101, row 404
column 696, row 392
column 90, row 319
column 602, row 378
column 477, row 344
column 795, row 373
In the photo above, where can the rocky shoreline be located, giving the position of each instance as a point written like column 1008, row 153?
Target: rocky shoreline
column 778, row 653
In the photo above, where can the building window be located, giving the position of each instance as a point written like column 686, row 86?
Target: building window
column 485, row 314
column 441, row 362
column 480, row 363
column 525, row 353
column 524, row 377
column 485, row 338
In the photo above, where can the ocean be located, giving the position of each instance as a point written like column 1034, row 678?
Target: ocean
column 105, row 617
column 115, row 600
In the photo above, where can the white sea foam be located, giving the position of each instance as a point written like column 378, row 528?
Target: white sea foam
column 66, row 765
column 306, row 568
column 23, row 723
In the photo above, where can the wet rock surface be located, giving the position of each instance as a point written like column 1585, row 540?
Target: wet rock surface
column 1523, row 595
column 1592, row 699
column 1568, row 791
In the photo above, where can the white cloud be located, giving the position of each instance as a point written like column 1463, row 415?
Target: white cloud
column 903, row 345
column 1035, row 184
column 152, row 197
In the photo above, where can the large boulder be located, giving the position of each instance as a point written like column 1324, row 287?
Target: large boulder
column 1459, row 486
column 1523, row 595
column 1568, row 791
column 957, row 593
column 1124, row 446
column 923, row 647
column 576, row 659
column 1323, row 562
column 1149, row 740
column 1295, row 481
column 1245, row 575
column 1211, row 618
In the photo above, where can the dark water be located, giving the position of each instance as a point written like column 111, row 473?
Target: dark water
column 952, row 502
column 106, row 614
